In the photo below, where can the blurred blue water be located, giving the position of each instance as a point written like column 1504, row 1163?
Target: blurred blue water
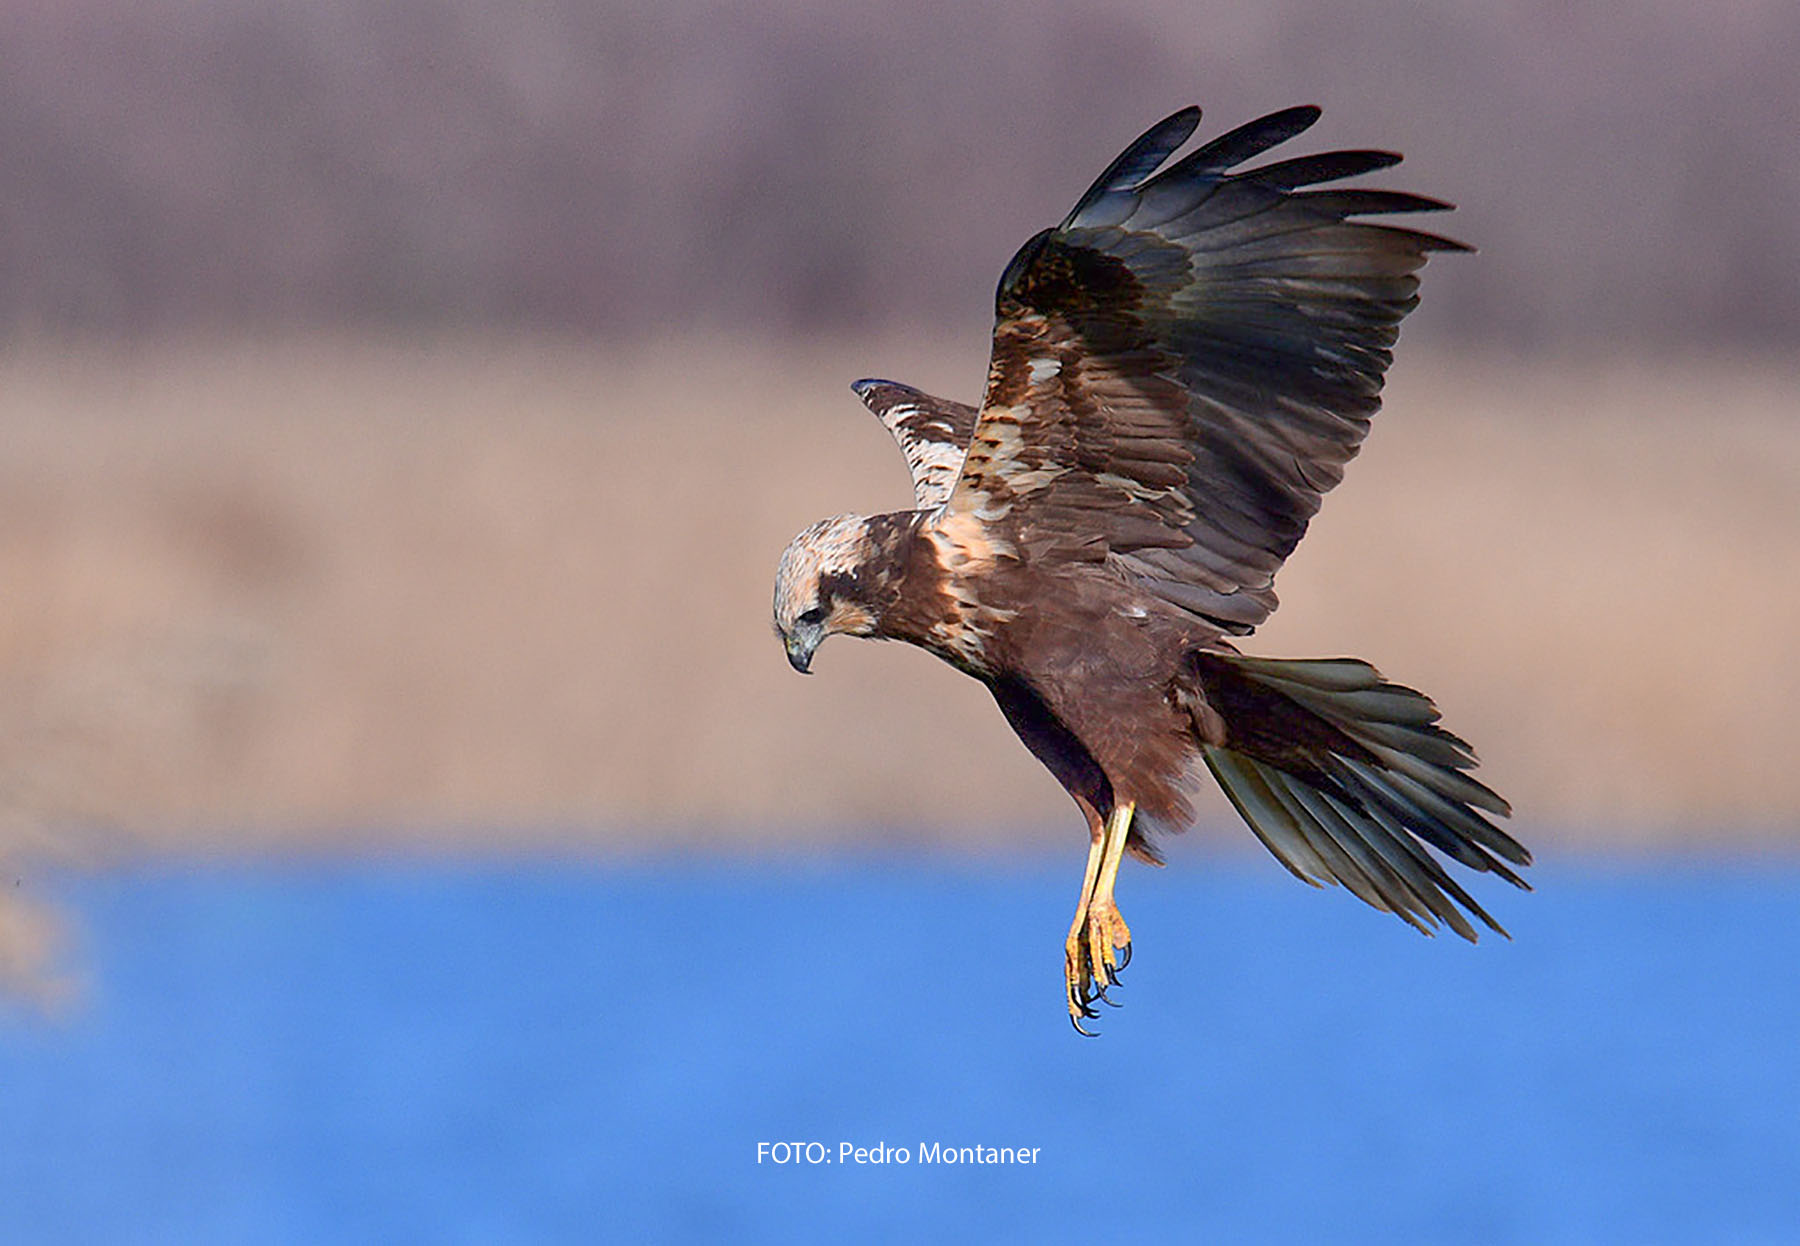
column 568, row 1052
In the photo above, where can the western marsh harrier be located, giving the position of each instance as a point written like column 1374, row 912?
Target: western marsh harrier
column 1180, row 370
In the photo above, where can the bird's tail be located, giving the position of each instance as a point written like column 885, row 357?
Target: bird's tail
column 1347, row 777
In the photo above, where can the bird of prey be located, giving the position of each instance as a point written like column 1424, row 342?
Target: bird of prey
column 1180, row 370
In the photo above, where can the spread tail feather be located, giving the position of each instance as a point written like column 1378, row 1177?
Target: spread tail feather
column 1347, row 778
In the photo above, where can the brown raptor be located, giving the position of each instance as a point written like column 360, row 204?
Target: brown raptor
column 1180, row 370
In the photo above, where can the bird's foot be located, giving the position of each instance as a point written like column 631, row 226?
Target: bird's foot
column 1096, row 951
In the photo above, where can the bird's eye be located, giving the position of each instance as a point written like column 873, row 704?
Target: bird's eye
column 812, row 618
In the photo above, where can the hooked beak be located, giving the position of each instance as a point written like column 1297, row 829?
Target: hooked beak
column 800, row 645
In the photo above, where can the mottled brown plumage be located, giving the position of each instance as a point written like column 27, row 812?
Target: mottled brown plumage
column 1180, row 371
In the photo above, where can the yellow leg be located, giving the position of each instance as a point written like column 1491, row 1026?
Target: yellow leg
column 1077, row 981
column 1089, row 962
column 1106, row 928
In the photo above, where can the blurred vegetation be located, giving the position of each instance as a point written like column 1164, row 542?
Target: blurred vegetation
column 630, row 168
column 434, row 589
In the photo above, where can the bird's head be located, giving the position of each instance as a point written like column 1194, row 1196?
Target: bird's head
column 822, row 587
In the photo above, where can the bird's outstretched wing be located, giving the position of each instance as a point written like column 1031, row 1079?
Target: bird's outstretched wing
column 933, row 434
column 1183, row 367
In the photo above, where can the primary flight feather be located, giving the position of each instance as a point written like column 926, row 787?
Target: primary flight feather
column 1180, row 371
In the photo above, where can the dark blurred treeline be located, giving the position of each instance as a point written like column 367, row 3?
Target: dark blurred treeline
column 1630, row 171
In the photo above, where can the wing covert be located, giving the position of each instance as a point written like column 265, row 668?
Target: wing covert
column 933, row 434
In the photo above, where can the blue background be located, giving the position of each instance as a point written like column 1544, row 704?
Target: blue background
column 569, row 1051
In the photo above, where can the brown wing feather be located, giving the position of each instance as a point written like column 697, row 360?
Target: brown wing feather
column 1182, row 368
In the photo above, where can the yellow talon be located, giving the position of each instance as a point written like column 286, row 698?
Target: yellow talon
column 1107, row 930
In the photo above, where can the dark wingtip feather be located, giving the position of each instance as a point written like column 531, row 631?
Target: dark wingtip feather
column 1358, row 202
column 1329, row 166
column 1300, row 117
column 1142, row 158
column 1435, row 242
column 1248, row 141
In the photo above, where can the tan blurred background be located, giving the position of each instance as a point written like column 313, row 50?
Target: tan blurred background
column 404, row 405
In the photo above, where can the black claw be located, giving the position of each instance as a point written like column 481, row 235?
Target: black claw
column 1077, row 1024
column 1126, row 959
